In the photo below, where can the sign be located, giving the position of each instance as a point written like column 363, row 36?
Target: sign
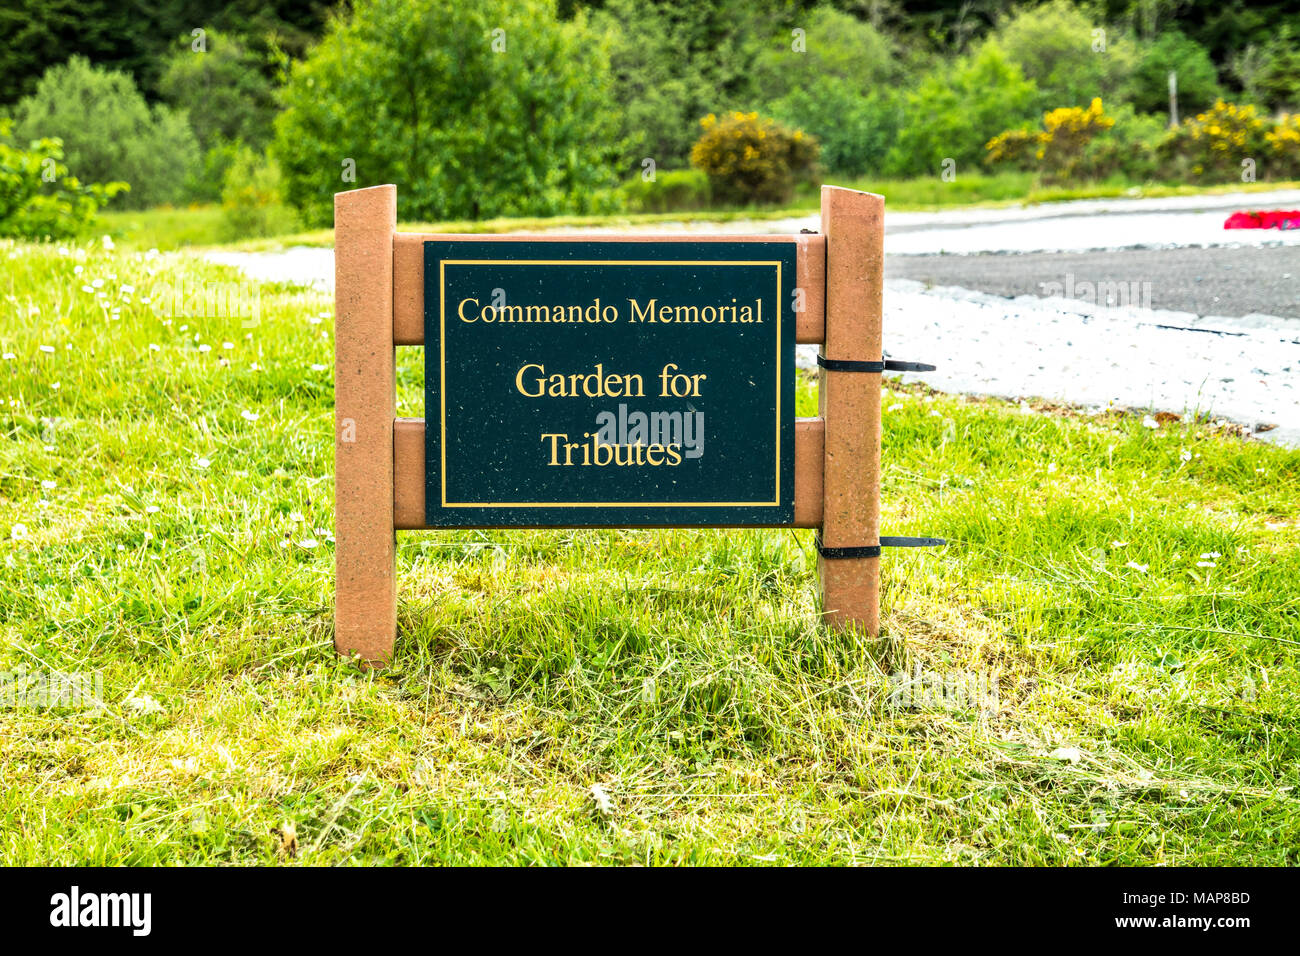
column 621, row 382
column 581, row 383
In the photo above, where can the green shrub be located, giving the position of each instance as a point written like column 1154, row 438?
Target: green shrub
column 1211, row 146
column 1017, row 148
column 749, row 159
column 855, row 130
column 1198, row 81
column 835, row 46
column 672, row 190
column 953, row 110
column 674, row 64
column 1056, row 47
column 109, row 132
column 252, row 200
column 1131, row 147
column 222, row 90
column 1283, row 157
column 208, row 176
column 1068, row 132
column 229, row 101
column 38, row 198
column 494, row 108
column 1077, row 145
column 1278, row 79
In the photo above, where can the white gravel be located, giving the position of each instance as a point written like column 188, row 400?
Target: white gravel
column 1245, row 370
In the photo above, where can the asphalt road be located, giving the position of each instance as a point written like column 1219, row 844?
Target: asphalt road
column 1216, row 281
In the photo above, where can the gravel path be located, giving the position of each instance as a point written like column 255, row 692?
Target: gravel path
column 1096, row 356
column 1229, row 281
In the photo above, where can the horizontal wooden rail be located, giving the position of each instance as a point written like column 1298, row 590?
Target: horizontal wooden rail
column 408, row 276
column 409, row 484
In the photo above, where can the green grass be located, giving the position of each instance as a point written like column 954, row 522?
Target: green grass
column 167, row 229
column 163, row 227
column 1140, row 717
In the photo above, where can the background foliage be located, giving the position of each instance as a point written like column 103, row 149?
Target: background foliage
column 412, row 94
column 587, row 95
column 38, row 197
column 109, row 132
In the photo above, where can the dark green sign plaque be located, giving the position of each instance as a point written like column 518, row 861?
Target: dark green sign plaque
column 609, row 383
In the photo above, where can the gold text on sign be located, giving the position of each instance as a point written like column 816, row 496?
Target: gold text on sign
column 533, row 381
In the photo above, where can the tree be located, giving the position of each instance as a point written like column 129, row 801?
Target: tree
column 678, row 60
column 955, row 109
column 1198, row 82
column 136, row 35
column 1278, row 82
column 488, row 109
column 834, row 80
column 828, row 45
column 1068, row 56
column 222, row 90
column 109, row 132
column 856, row 131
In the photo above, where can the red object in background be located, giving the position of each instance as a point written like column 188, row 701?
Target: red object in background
column 1273, row 219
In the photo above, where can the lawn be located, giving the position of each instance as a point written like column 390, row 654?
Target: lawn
column 1123, row 599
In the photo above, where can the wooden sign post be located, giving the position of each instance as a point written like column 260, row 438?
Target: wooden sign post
column 621, row 381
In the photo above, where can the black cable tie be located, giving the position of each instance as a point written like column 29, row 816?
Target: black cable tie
column 887, row 365
column 845, row 365
column 895, row 365
column 866, row 551
column 873, row 550
column 913, row 542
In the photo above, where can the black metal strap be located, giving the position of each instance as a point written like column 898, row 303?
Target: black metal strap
column 887, row 365
column 844, row 365
column 866, row 551
column 873, row 550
